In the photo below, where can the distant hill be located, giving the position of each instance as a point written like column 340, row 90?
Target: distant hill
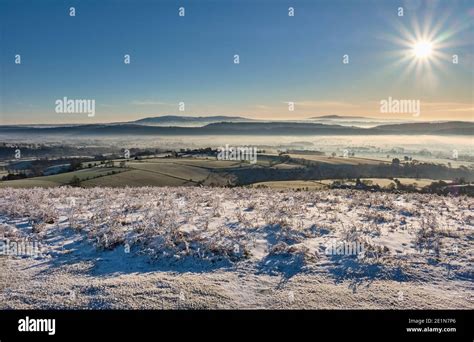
column 357, row 121
column 176, row 120
column 339, row 117
column 250, row 128
column 436, row 128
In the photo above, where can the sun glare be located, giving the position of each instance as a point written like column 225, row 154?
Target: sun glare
column 423, row 49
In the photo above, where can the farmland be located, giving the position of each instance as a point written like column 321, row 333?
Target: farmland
column 311, row 185
column 61, row 178
column 339, row 160
column 310, row 171
column 150, row 172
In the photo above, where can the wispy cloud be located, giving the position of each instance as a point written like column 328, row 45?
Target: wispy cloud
column 468, row 109
column 326, row 104
column 449, row 107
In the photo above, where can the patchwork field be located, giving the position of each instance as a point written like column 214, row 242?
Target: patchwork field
column 385, row 182
column 136, row 178
column 179, row 170
column 340, row 160
column 296, row 184
column 61, row 178
column 200, row 247
column 270, row 170
column 149, row 172
column 324, row 183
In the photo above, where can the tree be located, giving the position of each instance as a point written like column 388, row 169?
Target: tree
column 75, row 164
column 75, row 181
column 395, row 161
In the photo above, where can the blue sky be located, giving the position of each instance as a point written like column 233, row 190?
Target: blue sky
column 190, row 58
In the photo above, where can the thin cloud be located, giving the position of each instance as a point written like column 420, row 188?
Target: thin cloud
column 333, row 104
column 449, row 106
column 467, row 109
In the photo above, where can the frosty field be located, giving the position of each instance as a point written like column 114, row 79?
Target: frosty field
column 195, row 248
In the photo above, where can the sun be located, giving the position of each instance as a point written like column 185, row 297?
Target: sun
column 423, row 49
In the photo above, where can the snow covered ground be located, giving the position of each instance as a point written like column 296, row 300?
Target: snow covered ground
column 212, row 248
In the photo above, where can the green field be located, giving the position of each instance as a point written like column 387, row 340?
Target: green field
column 339, row 160
column 201, row 171
column 266, row 160
column 147, row 172
column 293, row 184
column 385, row 182
column 324, row 184
column 207, row 163
column 163, row 172
column 135, row 178
column 60, row 179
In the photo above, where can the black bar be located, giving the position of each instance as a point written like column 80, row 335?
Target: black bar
column 243, row 324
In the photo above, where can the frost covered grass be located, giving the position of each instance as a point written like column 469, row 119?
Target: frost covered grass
column 276, row 231
column 236, row 248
